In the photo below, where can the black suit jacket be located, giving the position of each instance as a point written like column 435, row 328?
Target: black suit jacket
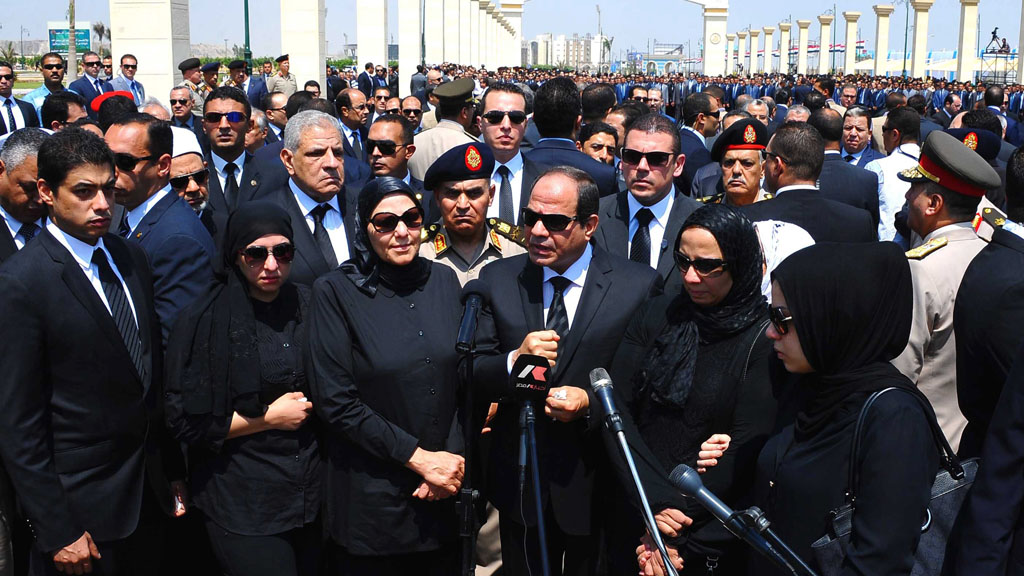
column 563, row 153
column 197, row 129
column 27, row 110
column 941, row 118
column 7, row 246
column 251, row 187
column 569, row 453
column 81, row 426
column 697, row 155
column 825, row 220
column 613, row 233
column 843, row 182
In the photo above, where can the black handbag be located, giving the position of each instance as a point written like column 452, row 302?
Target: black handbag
column 952, row 483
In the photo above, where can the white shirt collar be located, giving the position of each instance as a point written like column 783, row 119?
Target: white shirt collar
column 81, row 251
column 660, row 210
column 832, row 152
column 514, row 165
column 577, row 271
column 699, row 135
column 14, row 225
column 219, row 163
column 306, row 203
column 795, row 187
column 135, row 215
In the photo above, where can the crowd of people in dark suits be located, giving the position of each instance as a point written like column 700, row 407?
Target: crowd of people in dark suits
column 229, row 325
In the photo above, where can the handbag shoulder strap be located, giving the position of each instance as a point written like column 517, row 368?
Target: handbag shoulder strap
column 949, row 458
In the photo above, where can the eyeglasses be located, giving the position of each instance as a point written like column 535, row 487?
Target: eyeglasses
column 705, row 267
column 181, row 102
column 393, row 111
column 108, row 66
column 654, row 159
column 91, row 64
column 386, row 222
column 53, row 66
column 181, row 182
column 387, row 147
column 780, row 318
column 641, row 99
column 8, row 77
column 127, row 162
column 552, row 222
column 412, row 112
column 769, row 154
column 233, row 117
column 497, row 116
column 381, row 97
column 253, row 255
column 359, row 107
column 129, row 66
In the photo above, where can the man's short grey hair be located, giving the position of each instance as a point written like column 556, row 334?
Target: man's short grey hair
column 298, row 125
column 154, row 102
column 799, row 109
column 20, row 146
column 757, row 102
column 858, row 112
column 182, row 87
column 260, row 119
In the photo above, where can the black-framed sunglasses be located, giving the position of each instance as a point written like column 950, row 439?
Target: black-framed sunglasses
column 53, row 66
column 552, row 222
column 127, row 162
column 654, row 159
column 412, row 112
column 496, row 116
column 386, row 222
column 393, row 111
column 780, row 318
column 705, row 267
column 130, row 66
column 253, row 255
column 8, row 77
column 233, row 117
column 387, row 147
column 179, row 101
column 181, row 182
column 91, row 64
column 769, row 154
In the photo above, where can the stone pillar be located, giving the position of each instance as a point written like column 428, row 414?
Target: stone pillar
column 433, row 31
column 303, row 39
column 850, row 57
column 755, row 43
column 769, row 45
column 825, row 44
column 371, row 32
column 452, row 11
column 917, row 65
column 967, row 49
column 730, row 54
column 484, row 30
column 882, row 13
column 410, row 49
column 741, row 54
column 514, row 16
column 784, row 41
column 474, row 33
column 157, row 33
column 488, row 53
column 801, row 56
column 465, row 10
column 716, row 16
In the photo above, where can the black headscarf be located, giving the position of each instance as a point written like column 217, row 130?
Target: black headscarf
column 365, row 268
column 221, row 371
column 672, row 359
column 852, row 306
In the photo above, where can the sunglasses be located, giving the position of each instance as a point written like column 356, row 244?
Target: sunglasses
column 91, row 64
column 393, row 111
column 387, row 147
column 381, row 97
column 386, row 222
column 412, row 112
column 780, row 318
column 654, row 159
column 233, row 117
column 181, row 182
column 8, row 77
column 705, row 267
column 127, row 162
column 496, row 116
column 181, row 102
column 552, row 222
column 129, row 66
column 53, row 66
column 641, row 99
column 253, row 255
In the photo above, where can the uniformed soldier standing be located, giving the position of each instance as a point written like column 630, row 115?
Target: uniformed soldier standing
column 740, row 152
column 209, row 82
column 945, row 188
column 284, row 81
column 455, row 113
column 193, row 77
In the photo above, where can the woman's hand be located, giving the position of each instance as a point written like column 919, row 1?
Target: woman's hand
column 711, row 451
column 649, row 559
column 441, row 471
column 288, row 412
column 671, row 522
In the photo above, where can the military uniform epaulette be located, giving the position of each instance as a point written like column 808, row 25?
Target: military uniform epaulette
column 994, row 217
column 716, row 199
column 510, row 231
column 927, row 248
column 433, row 235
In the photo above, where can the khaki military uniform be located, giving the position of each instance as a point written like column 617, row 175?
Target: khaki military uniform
column 723, row 198
column 502, row 240
column 937, row 266
column 431, row 144
column 199, row 92
column 286, row 84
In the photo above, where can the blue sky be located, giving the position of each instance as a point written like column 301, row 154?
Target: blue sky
column 631, row 23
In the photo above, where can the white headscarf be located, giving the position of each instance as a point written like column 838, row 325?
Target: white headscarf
column 778, row 240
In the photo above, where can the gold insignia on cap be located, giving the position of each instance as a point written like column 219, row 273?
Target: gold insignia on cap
column 971, row 141
column 473, row 159
column 749, row 135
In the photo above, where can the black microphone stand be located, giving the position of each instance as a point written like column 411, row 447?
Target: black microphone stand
column 528, row 445
column 465, row 502
column 777, row 551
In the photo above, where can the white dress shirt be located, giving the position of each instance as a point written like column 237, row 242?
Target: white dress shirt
column 657, row 226
column 14, row 226
column 515, row 182
column 575, row 273
column 219, row 164
column 891, row 190
column 19, row 118
column 351, row 135
column 856, row 156
column 82, row 254
column 333, row 221
column 135, row 215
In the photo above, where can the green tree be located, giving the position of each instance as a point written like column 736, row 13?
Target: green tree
column 8, row 52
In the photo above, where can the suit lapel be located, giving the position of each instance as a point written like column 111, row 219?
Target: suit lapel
column 617, row 233
column 676, row 217
column 594, row 290
column 213, row 185
column 250, row 179
column 305, row 245
column 531, row 292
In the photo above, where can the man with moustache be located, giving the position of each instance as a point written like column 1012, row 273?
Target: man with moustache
column 739, row 152
column 234, row 175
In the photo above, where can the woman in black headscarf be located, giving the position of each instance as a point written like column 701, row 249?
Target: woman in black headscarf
column 697, row 364
column 382, row 367
column 236, row 395
column 840, row 313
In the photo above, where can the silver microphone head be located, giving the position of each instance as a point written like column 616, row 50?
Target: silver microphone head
column 599, row 378
column 686, row 479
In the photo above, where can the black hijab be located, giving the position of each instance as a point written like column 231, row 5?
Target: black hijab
column 852, row 306
column 672, row 359
column 365, row 269
column 221, row 367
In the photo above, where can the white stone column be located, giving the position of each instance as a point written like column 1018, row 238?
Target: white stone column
column 433, row 31
column 882, row 13
column 769, row 45
column 465, row 10
column 741, row 53
column 716, row 16
column 494, row 37
column 157, row 33
column 825, row 44
column 487, row 53
column 303, row 39
column 452, row 10
column 801, row 56
column 410, row 50
column 484, row 29
column 850, row 57
column 755, row 43
column 784, row 28
column 514, row 15
column 919, row 62
column 371, row 32
column 967, row 54
column 474, row 33
column 730, row 54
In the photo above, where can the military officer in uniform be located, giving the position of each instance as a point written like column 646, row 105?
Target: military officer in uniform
column 284, row 81
column 193, row 77
column 455, row 111
column 209, row 82
column 740, row 153
column 465, row 239
column 945, row 188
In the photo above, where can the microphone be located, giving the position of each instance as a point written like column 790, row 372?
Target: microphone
column 529, row 378
column 474, row 296
column 601, row 384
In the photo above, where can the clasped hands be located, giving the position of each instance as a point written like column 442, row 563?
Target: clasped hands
column 564, row 403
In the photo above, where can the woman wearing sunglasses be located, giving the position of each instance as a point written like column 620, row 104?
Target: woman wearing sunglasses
column 382, row 368
column 696, row 362
column 237, row 395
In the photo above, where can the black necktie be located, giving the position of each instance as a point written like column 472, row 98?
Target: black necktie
column 230, row 185
column 323, row 239
column 123, row 229
column 640, row 248
column 357, row 147
column 849, row 158
column 558, row 316
column 505, row 210
column 120, row 309
column 11, row 124
column 28, row 231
